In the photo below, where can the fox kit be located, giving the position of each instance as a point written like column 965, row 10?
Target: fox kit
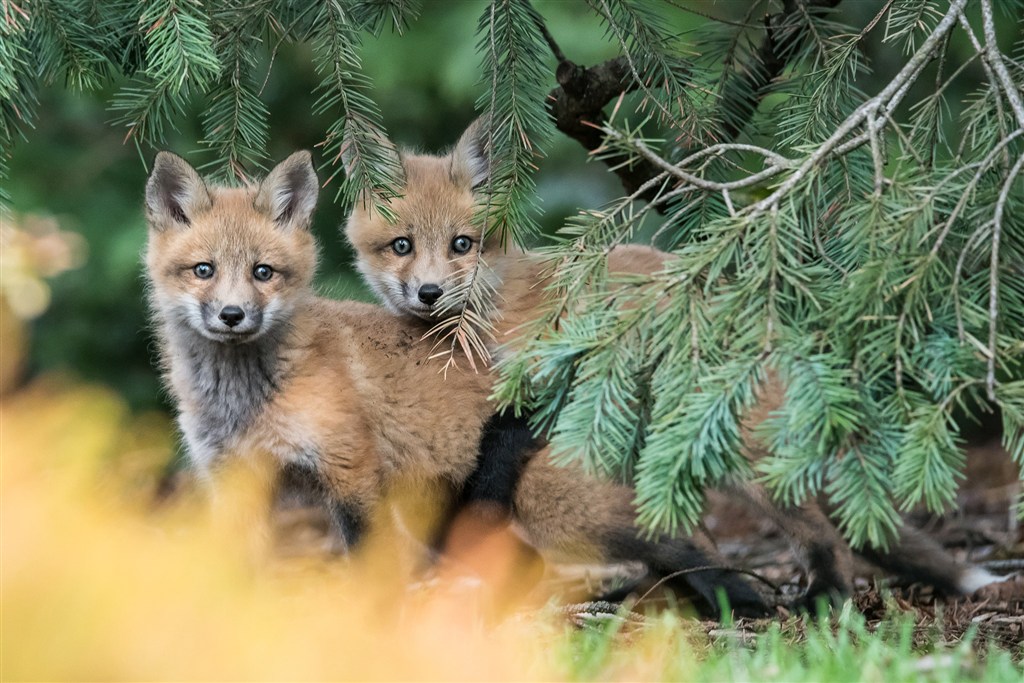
column 257, row 363
column 435, row 243
column 432, row 247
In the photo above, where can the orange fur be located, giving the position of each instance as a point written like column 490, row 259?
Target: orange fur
column 439, row 204
column 355, row 385
column 344, row 388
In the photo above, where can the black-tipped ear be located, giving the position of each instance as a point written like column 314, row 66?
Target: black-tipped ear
column 289, row 193
column 175, row 193
column 471, row 158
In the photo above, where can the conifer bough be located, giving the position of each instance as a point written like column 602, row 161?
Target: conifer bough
column 868, row 249
column 846, row 244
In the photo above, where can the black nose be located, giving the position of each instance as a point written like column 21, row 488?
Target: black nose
column 231, row 315
column 430, row 293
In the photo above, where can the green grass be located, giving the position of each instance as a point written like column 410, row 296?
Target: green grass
column 843, row 648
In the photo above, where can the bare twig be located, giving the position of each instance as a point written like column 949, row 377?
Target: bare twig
column 284, row 33
column 878, row 17
column 876, row 153
column 888, row 99
column 995, row 58
column 709, row 568
column 579, row 100
column 556, row 50
column 993, row 291
column 774, row 157
column 728, row 202
column 706, row 15
column 708, row 185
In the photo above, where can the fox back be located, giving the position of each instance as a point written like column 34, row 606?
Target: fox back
column 410, row 262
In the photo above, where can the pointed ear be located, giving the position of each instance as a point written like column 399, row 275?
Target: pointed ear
column 471, row 158
column 174, row 192
column 289, row 193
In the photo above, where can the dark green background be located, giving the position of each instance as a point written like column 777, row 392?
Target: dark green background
column 74, row 165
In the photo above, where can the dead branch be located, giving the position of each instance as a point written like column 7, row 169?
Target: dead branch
column 577, row 104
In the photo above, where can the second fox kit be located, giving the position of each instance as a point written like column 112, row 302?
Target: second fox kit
column 257, row 363
column 433, row 245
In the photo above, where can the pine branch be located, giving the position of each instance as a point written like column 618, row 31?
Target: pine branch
column 236, row 125
column 376, row 15
column 603, row 420
column 694, row 441
column 656, row 67
column 577, row 104
column 885, row 102
column 841, row 248
column 66, row 45
column 868, row 251
column 180, row 58
column 511, row 43
column 17, row 86
column 353, row 140
column 179, row 44
column 741, row 97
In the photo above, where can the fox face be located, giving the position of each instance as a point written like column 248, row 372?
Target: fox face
column 230, row 264
column 435, row 243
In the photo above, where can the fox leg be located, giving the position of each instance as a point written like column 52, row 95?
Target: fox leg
column 915, row 556
column 347, row 522
column 475, row 531
column 567, row 514
column 350, row 489
column 827, row 556
column 666, row 555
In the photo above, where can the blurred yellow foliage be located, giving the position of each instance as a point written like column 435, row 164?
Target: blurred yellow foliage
column 98, row 584
column 32, row 248
column 12, row 347
column 99, row 581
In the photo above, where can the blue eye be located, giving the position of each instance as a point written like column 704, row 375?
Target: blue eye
column 203, row 271
column 461, row 244
column 402, row 246
column 263, row 272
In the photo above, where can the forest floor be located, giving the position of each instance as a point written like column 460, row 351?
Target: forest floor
column 100, row 583
column 982, row 532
